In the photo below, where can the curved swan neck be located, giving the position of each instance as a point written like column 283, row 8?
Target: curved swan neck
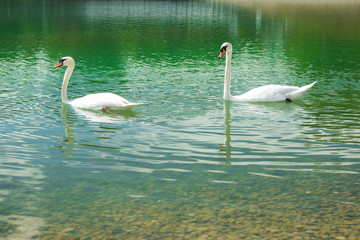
column 65, row 83
column 227, row 78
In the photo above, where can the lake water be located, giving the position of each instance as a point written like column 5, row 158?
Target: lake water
column 185, row 164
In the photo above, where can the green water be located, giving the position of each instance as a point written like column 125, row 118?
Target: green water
column 186, row 164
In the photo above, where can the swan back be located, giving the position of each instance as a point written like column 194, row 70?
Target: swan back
column 273, row 93
column 97, row 100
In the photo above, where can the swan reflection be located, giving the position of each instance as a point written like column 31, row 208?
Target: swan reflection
column 226, row 148
column 103, row 116
column 68, row 127
column 258, row 126
column 98, row 116
column 269, row 131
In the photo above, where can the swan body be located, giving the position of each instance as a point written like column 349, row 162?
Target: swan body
column 99, row 100
column 92, row 101
column 267, row 93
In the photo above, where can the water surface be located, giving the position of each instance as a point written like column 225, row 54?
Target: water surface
column 186, row 164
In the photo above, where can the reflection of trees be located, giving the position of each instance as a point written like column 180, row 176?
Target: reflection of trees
column 126, row 27
column 306, row 33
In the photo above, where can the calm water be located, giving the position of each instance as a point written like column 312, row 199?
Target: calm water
column 186, row 164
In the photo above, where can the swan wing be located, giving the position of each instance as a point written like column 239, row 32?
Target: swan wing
column 273, row 93
column 98, row 100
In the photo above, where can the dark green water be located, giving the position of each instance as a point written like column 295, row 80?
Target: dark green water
column 185, row 165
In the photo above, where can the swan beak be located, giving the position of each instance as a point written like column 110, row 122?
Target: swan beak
column 222, row 52
column 59, row 65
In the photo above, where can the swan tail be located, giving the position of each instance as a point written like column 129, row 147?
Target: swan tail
column 300, row 92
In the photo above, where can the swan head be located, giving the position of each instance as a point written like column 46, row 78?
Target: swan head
column 65, row 61
column 226, row 47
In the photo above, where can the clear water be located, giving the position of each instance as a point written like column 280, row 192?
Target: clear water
column 186, row 164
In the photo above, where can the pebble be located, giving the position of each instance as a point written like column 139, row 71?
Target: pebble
column 247, row 215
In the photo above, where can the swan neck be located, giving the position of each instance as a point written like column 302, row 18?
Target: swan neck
column 67, row 76
column 227, row 78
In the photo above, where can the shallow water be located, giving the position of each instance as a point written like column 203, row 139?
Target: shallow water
column 186, row 164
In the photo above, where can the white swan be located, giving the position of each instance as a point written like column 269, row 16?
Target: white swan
column 92, row 101
column 267, row 93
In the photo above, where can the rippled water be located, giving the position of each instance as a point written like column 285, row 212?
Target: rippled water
column 186, row 164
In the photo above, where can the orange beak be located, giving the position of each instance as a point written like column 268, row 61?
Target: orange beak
column 222, row 53
column 59, row 65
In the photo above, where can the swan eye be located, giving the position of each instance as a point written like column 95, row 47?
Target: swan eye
column 62, row 61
